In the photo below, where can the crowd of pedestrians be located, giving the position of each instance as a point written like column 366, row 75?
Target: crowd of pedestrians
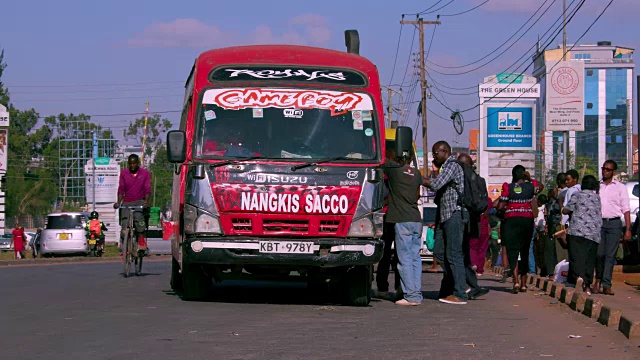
column 524, row 230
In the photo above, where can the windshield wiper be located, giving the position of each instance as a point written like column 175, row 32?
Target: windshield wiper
column 312, row 163
column 235, row 161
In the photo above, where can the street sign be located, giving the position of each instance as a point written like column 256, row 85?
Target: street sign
column 107, row 177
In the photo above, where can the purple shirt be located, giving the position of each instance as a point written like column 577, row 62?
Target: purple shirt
column 134, row 187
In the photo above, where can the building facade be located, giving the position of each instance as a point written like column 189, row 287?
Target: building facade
column 608, row 91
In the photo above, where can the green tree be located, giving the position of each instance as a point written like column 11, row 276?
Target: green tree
column 162, row 178
column 156, row 130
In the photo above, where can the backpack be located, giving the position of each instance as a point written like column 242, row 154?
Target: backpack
column 475, row 196
column 95, row 226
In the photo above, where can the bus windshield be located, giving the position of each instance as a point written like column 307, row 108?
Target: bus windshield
column 283, row 123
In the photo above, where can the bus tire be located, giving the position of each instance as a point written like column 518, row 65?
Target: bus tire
column 196, row 284
column 357, row 286
column 176, row 277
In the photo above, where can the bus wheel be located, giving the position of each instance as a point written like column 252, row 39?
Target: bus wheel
column 356, row 286
column 196, row 284
column 176, row 277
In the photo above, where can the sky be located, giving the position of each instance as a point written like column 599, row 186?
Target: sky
column 110, row 57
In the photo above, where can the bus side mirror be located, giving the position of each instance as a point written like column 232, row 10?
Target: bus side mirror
column 404, row 141
column 176, row 146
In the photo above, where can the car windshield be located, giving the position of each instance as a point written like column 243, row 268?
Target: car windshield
column 65, row 222
column 293, row 124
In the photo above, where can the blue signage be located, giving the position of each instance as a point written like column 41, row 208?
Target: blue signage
column 510, row 128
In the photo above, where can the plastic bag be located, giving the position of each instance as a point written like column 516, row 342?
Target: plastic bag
column 561, row 272
column 429, row 238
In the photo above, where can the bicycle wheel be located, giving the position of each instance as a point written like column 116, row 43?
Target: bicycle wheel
column 127, row 254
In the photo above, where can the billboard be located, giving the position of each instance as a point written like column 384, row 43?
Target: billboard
column 564, row 96
column 510, row 128
column 107, row 177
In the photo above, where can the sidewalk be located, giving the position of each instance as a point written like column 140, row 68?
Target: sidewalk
column 620, row 311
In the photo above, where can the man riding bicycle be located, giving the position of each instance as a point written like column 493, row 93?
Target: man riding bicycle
column 134, row 190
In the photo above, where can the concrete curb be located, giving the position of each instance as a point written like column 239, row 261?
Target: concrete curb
column 590, row 307
column 74, row 260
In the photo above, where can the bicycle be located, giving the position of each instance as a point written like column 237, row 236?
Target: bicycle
column 130, row 252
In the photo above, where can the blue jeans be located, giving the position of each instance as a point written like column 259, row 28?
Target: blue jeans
column 448, row 251
column 408, row 242
column 532, row 259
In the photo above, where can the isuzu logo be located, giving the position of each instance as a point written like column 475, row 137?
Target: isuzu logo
column 352, row 175
column 277, row 179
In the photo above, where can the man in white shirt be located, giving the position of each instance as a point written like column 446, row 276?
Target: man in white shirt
column 615, row 204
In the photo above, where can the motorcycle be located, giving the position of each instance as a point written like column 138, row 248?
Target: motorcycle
column 96, row 245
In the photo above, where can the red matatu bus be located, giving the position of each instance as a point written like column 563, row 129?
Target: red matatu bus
column 278, row 169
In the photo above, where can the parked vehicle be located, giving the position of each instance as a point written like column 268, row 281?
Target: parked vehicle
column 278, row 169
column 64, row 233
column 633, row 188
column 34, row 243
column 6, row 243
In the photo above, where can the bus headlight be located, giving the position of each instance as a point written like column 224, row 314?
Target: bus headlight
column 199, row 222
column 361, row 228
column 207, row 224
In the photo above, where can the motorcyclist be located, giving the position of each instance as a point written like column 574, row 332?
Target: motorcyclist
column 96, row 228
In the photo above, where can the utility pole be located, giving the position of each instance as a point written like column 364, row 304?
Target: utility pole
column 144, row 134
column 390, row 109
column 423, row 85
column 565, row 134
column 95, row 155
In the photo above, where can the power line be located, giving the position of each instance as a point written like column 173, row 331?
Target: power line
column 496, row 49
column 438, row 9
column 91, row 91
column 122, row 114
column 104, row 98
column 466, row 11
column 524, row 58
column 549, row 70
column 95, row 85
column 499, row 54
column 395, row 61
column 427, row 9
column 406, row 69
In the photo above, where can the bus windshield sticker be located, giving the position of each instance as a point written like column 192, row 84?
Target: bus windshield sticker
column 358, row 125
column 366, row 115
column 293, row 113
column 368, row 132
column 258, row 113
column 356, row 115
column 235, row 99
column 209, row 115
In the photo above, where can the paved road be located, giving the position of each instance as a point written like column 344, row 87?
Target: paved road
column 88, row 311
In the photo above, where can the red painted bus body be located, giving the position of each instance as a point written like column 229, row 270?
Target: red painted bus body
column 281, row 169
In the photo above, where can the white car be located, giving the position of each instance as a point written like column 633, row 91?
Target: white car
column 5, row 241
